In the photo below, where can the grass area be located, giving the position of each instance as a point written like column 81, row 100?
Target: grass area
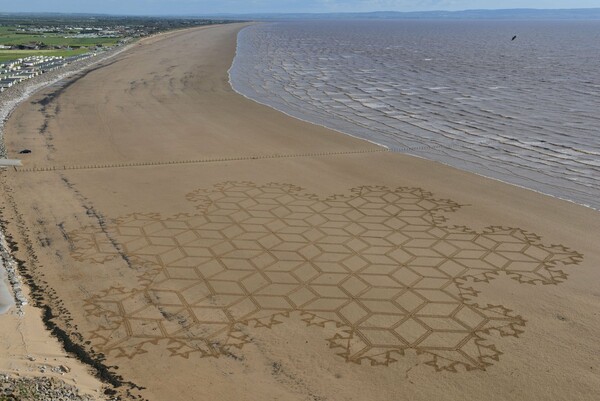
column 10, row 36
column 6, row 55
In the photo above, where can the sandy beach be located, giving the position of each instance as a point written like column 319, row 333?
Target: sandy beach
column 189, row 244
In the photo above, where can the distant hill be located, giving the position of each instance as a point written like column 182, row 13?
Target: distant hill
column 507, row 14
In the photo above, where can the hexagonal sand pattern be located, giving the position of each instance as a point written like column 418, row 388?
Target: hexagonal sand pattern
column 378, row 266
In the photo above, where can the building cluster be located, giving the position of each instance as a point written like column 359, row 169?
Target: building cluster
column 75, row 31
column 87, row 32
column 60, row 38
column 16, row 71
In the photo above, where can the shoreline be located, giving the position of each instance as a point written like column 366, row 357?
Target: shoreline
column 413, row 155
column 78, row 204
column 307, row 120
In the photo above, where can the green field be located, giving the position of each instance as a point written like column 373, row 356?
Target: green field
column 9, row 36
column 6, row 55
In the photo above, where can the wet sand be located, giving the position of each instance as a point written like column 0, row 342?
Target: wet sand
column 194, row 244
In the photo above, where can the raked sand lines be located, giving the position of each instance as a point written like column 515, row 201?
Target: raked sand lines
column 378, row 264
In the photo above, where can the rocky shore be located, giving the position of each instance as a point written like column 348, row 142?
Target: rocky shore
column 39, row 389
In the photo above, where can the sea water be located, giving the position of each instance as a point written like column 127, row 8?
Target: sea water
column 464, row 93
column 10, row 286
column 6, row 299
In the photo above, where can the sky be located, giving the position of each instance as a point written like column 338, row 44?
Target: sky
column 202, row 7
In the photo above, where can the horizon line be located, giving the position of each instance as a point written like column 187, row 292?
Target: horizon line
column 271, row 13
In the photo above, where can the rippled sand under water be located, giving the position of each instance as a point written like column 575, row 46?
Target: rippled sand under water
column 462, row 93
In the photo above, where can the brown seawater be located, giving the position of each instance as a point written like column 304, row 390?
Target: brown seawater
column 524, row 111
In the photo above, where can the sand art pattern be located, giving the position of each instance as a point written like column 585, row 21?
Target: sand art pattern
column 378, row 265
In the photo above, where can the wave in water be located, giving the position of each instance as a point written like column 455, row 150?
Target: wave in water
column 461, row 93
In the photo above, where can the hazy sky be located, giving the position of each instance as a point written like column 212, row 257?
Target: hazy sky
column 199, row 7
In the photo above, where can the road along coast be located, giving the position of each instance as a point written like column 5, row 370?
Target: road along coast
column 188, row 243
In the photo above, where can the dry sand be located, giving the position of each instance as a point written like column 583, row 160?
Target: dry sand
column 203, row 246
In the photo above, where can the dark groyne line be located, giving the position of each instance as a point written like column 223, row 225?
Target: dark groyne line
column 195, row 161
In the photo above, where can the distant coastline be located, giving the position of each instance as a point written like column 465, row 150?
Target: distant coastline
column 471, row 14
column 518, row 14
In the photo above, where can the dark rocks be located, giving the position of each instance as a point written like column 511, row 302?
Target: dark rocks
column 39, row 388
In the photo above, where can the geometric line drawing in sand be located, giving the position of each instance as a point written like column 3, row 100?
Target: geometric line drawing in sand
column 378, row 265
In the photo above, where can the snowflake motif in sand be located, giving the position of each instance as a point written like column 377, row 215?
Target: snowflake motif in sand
column 378, row 266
